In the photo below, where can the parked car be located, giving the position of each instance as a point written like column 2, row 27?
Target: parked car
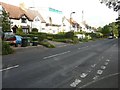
column 12, row 39
column 110, row 37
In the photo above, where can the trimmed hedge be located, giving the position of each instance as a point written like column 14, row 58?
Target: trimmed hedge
column 69, row 35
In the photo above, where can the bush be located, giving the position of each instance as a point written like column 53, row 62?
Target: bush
column 41, row 37
column 59, row 36
column 69, row 35
column 6, row 49
column 19, row 31
column 34, row 30
column 60, row 40
column 47, row 44
column 50, row 38
column 84, row 40
column 75, row 40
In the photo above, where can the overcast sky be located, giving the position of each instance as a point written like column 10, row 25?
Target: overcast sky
column 95, row 13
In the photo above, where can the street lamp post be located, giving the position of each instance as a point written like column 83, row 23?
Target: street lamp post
column 0, row 16
column 71, row 18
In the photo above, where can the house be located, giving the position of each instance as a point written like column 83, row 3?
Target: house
column 45, row 19
column 38, row 21
column 53, row 18
column 69, row 24
column 22, row 17
column 86, row 28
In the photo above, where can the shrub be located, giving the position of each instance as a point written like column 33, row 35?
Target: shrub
column 6, row 49
column 75, row 40
column 50, row 38
column 41, row 37
column 69, row 34
column 84, row 40
column 19, row 31
column 34, row 30
column 60, row 40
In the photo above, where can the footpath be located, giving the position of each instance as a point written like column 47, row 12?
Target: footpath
column 57, row 45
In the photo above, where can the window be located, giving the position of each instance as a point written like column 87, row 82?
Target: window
column 23, row 20
column 43, row 28
column 37, row 19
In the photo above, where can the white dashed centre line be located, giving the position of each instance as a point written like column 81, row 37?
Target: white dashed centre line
column 9, row 68
column 56, row 55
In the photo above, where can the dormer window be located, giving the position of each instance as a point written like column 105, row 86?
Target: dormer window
column 23, row 19
column 37, row 19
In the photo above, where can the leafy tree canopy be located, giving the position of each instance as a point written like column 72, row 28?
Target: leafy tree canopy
column 115, row 4
column 5, row 21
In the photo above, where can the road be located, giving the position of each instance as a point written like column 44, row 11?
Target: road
column 86, row 65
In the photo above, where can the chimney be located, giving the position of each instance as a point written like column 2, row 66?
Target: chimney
column 22, row 6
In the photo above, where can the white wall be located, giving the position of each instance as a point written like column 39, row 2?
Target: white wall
column 56, row 19
column 119, row 11
column 18, row 23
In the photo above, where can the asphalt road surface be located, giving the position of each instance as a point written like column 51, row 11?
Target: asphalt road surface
column 86, row 65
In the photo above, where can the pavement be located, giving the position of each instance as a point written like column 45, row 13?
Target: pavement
column 57, row 45
column 84, row 65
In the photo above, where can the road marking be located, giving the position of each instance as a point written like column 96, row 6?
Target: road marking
column 75, row 83
column 83, row 47
column 9, row 68
column 96, row 77
column 83, row 75
column 56, row 55
column 106, row 63
column 93, row 65
column 89, row 70
column 100, row 72
column 107, row 60
column 103, row 67
column 62, row 46
column 89, row 83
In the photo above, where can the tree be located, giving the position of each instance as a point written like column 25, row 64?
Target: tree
column 114, row 28
column 99, row 29
column 112, row 4
column 115, row 4
column 5, row 21
column 106, row 30
column 118, row 23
